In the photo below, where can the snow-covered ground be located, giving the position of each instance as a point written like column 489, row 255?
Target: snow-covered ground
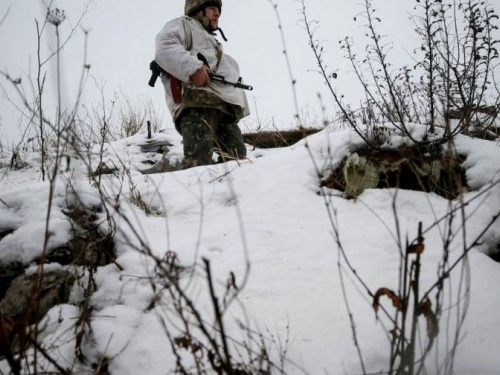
column 266, row 218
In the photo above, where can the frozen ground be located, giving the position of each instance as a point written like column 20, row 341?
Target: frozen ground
column 266, row 221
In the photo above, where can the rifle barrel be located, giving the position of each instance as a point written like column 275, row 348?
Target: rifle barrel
column 222, row 80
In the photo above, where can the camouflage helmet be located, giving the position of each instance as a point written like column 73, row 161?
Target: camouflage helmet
column 194, row 6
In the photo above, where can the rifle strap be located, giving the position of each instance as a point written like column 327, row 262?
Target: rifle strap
column 189, row 35
column 218, row 53
column 189, row 43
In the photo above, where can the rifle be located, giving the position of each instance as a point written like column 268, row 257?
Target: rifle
column 218, row 78
column 175, row 83
column 156, row 71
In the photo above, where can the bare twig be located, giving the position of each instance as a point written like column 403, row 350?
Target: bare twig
column 4, row 16
column 293, row 81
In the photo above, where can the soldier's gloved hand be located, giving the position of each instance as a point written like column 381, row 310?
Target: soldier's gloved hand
column 201, row 77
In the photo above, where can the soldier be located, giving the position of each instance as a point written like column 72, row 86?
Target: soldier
column 205, row 112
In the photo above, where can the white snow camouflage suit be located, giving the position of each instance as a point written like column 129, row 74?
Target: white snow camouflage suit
column 177, row 46
column 220, row 106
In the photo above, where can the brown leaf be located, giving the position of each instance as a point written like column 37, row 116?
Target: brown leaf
column 419, row 247
column 416, row 249
column 425, row 309
column 183, row 341
column 396, row 301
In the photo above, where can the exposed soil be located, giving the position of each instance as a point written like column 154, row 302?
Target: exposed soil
column 88, row 245
column 4, row 232
column 275, row 139
column 8, row 272
column 496, row 254
column 409, row 167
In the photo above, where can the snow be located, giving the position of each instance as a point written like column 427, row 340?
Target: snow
column 267, row 221
column 27, row 213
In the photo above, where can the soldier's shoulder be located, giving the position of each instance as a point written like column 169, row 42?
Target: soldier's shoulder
column 172, row 25
column 189, row 21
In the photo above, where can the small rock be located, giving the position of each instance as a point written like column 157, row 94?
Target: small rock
column 9, row 272
column 161, row 166
column 54, row 289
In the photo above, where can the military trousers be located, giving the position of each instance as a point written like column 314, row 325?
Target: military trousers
column 205, row 130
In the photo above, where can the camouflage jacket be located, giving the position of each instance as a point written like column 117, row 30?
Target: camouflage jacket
column 177, row 46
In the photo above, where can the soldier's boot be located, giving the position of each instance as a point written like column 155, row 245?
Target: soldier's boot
column 230, row 142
